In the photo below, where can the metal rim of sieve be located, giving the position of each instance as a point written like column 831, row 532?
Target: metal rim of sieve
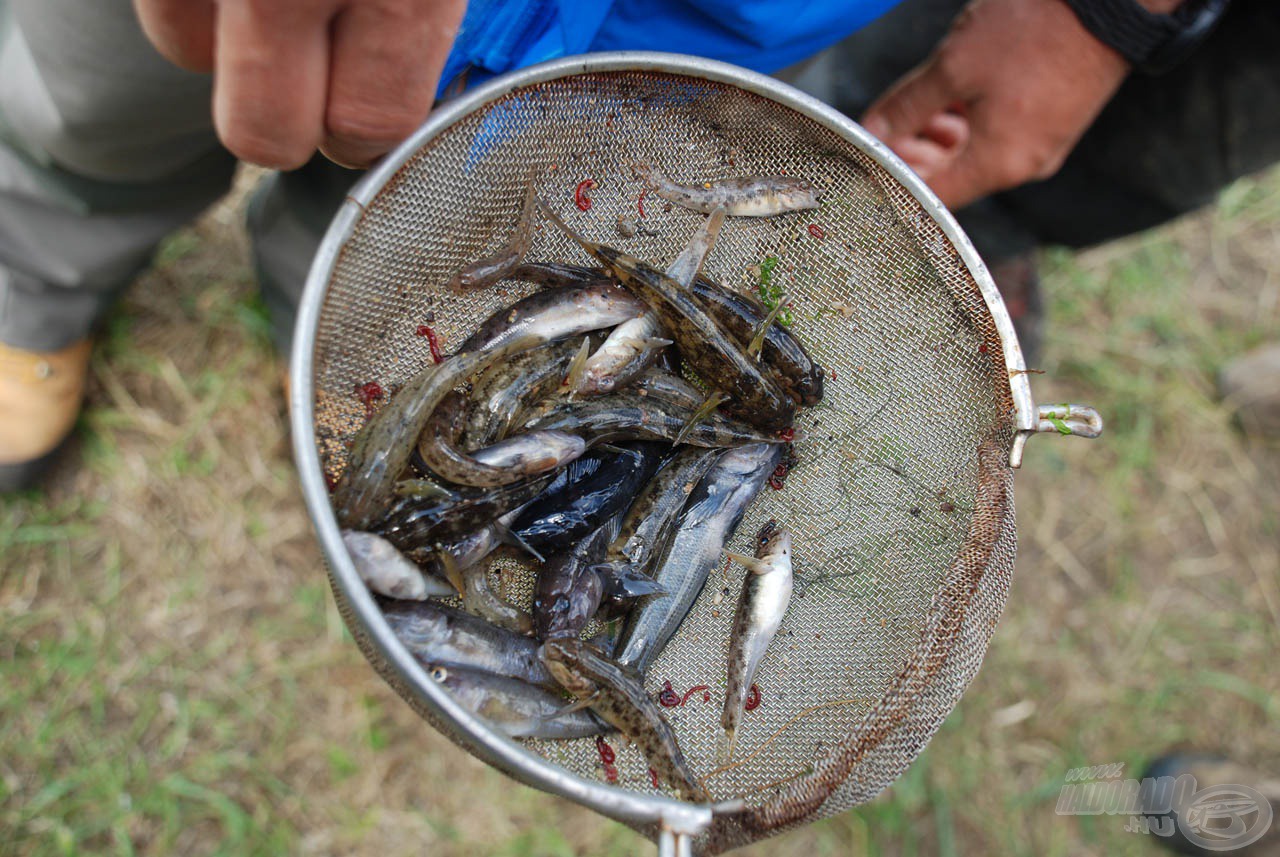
column 676, row 821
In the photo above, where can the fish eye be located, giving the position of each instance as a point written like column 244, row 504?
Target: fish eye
column 439, row 674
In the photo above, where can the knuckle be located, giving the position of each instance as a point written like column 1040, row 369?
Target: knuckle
column 265, row 148
column 371, row 125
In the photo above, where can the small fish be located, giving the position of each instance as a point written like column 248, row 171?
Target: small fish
column 414, row 522
column 631, row 416
column 437, row 634
column 499, row 394
column 632, row 345
column 553, row 314
column 499, row 266
column 788, row 361
column 704, row 346
column 513, row 707
column 386, row 571
column 568, row 590
column 617, row 695
column 708, row 521
column 766, row 594
column 499, row 464
column 382, row 448
column 556, row 520
column 757, row 196
column 650, row 522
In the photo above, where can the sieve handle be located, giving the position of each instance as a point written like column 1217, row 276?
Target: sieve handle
column 671, row 844
column 1069, row 419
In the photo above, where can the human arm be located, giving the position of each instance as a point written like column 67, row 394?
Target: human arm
column 351, row 78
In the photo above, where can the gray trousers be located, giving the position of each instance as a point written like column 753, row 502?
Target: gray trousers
column 105, row 148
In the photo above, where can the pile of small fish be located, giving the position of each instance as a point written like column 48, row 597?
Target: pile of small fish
column 597, row 458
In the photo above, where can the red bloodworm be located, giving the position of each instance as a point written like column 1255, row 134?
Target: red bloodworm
column 787, row 434
column 433, row 341
column 640, row 202
column 606, row 752
column 706, row 696
column 368, row 394
column 833, row 374
column 753, row 699
column 668, row 698
column 580, row 197
column 816, row 231
column 692, row 691
column 610, row 773
column 653, row 777
column 982, row 349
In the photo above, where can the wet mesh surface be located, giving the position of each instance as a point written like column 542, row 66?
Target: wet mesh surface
column 901, row 505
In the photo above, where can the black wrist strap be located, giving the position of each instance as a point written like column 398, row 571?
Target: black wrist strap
column 1152, row 43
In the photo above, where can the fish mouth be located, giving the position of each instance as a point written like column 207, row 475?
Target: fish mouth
column 768, row 531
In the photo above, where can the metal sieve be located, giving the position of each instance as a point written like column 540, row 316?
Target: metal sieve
column 901, row 504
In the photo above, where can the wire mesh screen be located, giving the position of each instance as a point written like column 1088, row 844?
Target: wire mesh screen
column 901, row 502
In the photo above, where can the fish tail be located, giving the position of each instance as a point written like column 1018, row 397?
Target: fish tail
column 724, row 751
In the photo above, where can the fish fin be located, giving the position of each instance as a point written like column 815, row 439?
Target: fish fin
column 422, row 489
column 452, row 572
column 577, row 366
column 724, row 750
column 576, row 705
column 653, row 343
column 684, row 270
column 510, row 537
column 590, row 246
column 762, row 330
column 705, row 410
column 622, row 581
column 615, row 449
column 755, row 566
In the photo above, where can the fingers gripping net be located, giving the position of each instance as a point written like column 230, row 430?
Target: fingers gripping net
column 901, row 503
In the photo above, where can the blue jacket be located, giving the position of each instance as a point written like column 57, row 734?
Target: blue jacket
column 765, row 35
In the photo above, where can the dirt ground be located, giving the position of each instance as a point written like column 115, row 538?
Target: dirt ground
column 174, row 677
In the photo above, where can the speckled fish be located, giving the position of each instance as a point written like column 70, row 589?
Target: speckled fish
column 554, row 314
column 704, row 346
column 792, row 367
column 556, row 520
column 567, row 592
column 755, row 196
column 766, row 594
column 632, row 416
column 491, row 269
column 382, row 449
column 651, row 520
column 617, row 695
column 437, row 634
column 386, row 571
column 500, row 393
column 713, row 512
column 414, row 522
column 499, row 464
column 513, row 707
column 633, row 345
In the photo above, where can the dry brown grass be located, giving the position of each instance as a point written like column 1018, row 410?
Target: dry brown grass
column 176, row 679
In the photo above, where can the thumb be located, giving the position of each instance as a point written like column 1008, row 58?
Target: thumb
column 906, row 107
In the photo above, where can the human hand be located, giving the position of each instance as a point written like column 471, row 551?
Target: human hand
column 1002, row 100
column 351, row 78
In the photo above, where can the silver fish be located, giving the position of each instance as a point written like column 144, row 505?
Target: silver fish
column 714, row 510
column 766, row 594
column 553, row 314
column 513, row 707
column 756, row 196
column 386, row 571
column 437, row 634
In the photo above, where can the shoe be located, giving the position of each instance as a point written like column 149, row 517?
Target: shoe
column 1250, row 385
column 1232, row 809
column 40, row 396
column 1018, row 279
